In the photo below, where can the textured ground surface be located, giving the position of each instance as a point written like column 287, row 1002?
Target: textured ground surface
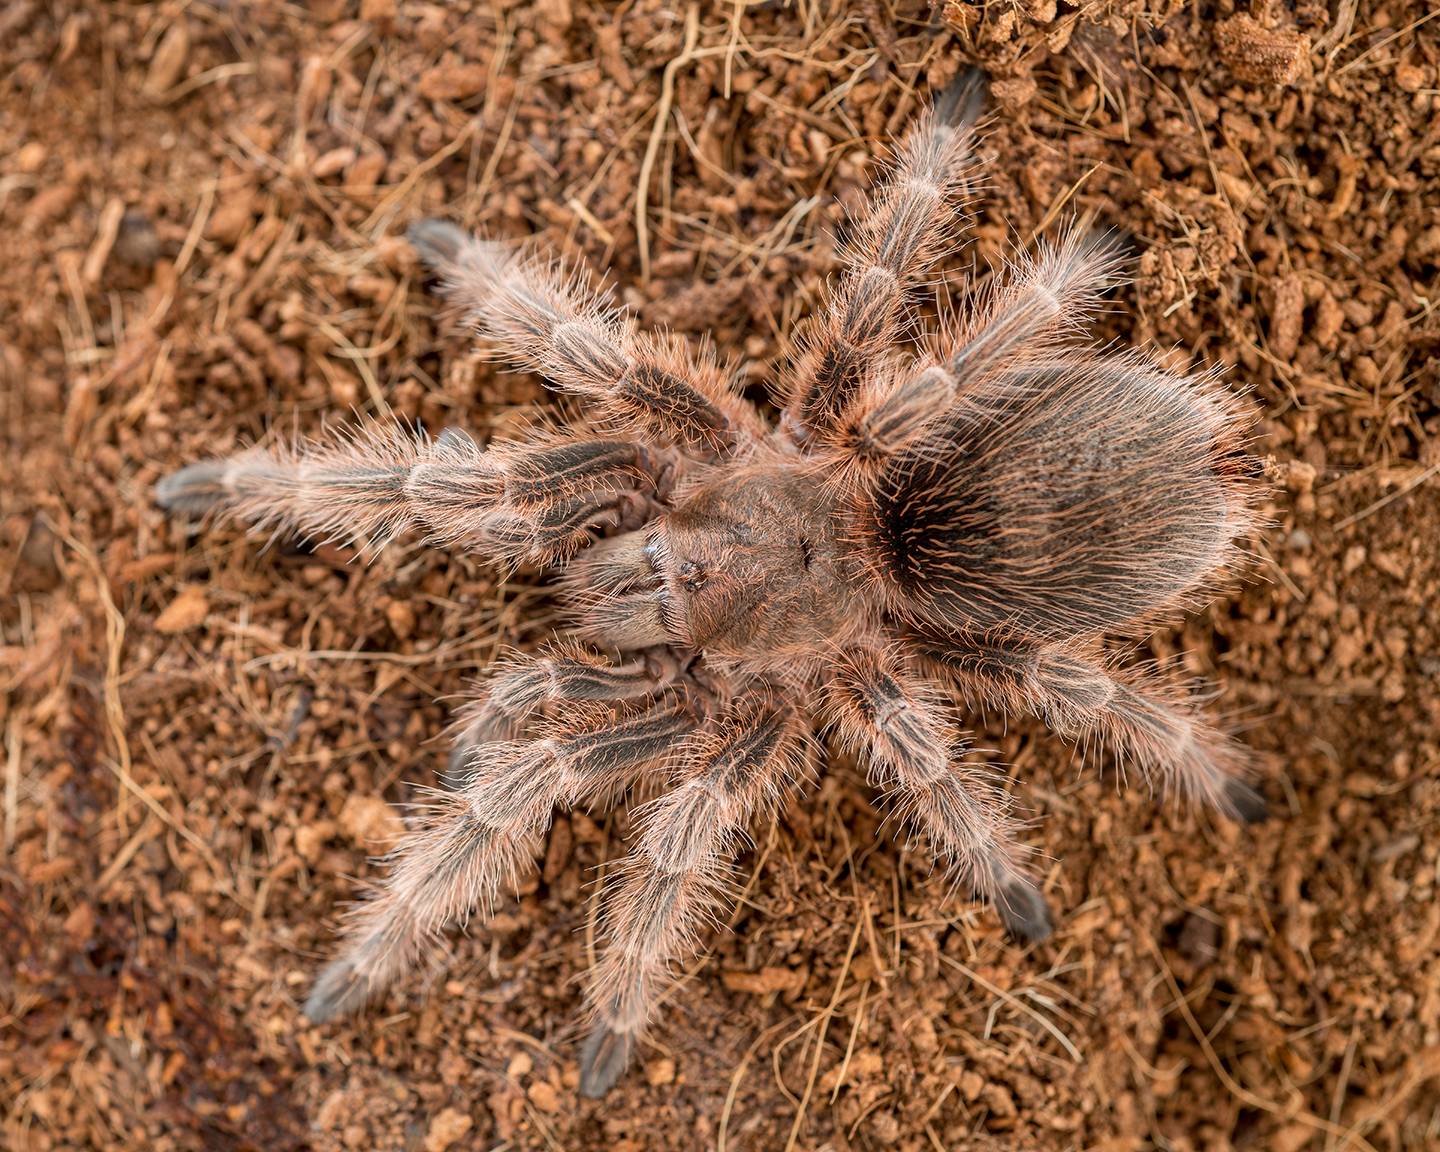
column 201, row 208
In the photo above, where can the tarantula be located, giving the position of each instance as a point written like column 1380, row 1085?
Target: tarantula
column 964, row 524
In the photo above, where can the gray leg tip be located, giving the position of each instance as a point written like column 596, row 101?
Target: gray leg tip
column 962, row 101
column 1244, row 803
column 338, row 991
column 193, row 490
column 1024, row 910
column 603, row 1059
column 437, row 241
column 459, row 767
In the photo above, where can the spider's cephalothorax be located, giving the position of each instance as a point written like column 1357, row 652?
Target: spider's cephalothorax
column 967, row 525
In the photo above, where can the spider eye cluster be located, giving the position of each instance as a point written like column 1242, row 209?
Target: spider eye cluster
column 693, row 575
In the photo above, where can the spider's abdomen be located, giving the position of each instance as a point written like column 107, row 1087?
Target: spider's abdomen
column 1064, row 500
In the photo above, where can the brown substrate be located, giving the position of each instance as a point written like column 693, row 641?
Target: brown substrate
column 202, row 207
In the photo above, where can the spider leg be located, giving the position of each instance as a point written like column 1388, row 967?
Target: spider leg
column 548, row 322
column 1049, row 298
column 901, row 236
column 1038, row 308
column 561, row 672
column 877, row 706
column 1077, row 697
column 517, row 501
column 677, row 871
column 475, row 837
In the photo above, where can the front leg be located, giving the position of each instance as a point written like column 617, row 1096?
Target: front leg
column 559, row 673
column 548, row 321
column 517, row 502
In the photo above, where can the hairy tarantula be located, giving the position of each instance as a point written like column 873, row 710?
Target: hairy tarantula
column 966, row 524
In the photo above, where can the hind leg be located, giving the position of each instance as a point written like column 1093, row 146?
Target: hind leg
column 1078, row 697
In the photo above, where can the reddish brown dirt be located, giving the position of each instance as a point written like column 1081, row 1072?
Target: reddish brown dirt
column 201, row 209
